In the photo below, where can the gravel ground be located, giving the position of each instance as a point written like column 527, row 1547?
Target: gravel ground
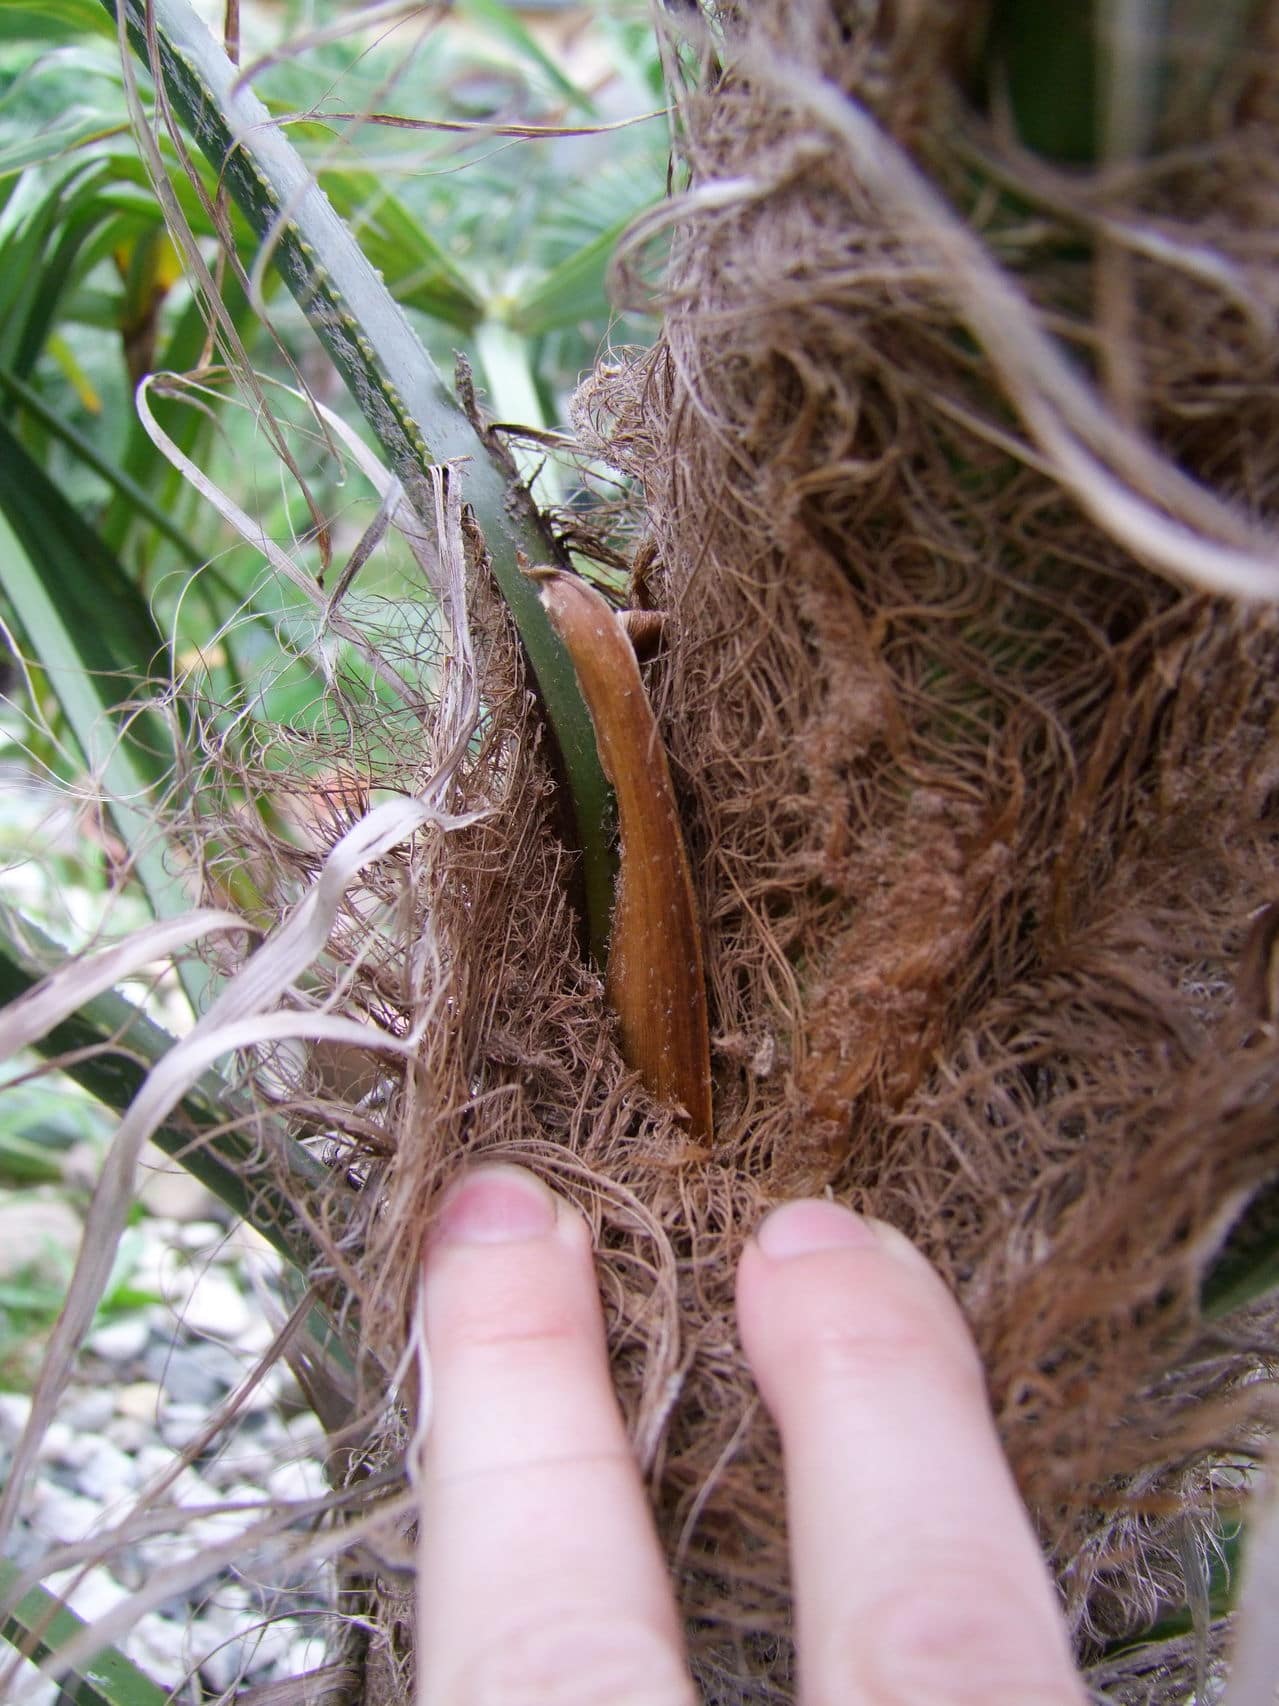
column 145, row 1385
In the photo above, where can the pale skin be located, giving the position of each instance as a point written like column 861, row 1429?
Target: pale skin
column 916, row 1574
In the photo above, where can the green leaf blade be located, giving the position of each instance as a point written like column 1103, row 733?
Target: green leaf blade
column 92, row 632
column 41, row 1624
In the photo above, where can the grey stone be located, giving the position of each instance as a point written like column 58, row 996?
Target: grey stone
column 308, row 1652
column 152, row 1461
column 116, row 1437
column 121, row 1341
column 225, row 1523
column 170, row 1191
column 94, row 1594
column 67, row 1447
column 297, row 1481
column 59, row 1515
column 38, row 1229
column 25, row 1547
column 107, row 1474
column 190, row 1490
column 212, row 1303
column 128, row 1433
column 140, row 1402
column 256, row 1336
column 179, row 1423
column 89, row 1412
column 201, row 1235
column 306, row 1434
column 200, row 1374
column 155, row 1261
column 257, row 1652
column 58, row 1444
column 15, row 1409
column 158, row 1645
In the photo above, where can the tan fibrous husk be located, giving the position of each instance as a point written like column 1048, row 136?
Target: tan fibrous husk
column 979, row 809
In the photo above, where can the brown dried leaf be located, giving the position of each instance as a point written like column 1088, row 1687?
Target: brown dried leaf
column 656, row 983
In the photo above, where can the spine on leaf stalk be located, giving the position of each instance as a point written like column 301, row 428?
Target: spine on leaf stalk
column 656, row 983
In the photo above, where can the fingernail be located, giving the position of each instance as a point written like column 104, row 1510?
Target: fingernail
column 496, row 1205
column 804, row 1228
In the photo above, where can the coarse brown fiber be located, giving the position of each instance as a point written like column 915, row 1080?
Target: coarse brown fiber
column 980, row 806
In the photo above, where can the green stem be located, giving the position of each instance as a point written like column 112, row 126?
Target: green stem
column 512, row 395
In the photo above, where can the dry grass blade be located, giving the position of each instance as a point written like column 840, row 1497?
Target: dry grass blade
column 66, row 990
column 253, row 533
column 656, row 983
column 410, row 409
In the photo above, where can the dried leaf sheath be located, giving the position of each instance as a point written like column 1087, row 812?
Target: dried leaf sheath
column 656, row 982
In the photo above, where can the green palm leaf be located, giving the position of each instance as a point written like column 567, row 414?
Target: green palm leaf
column 40, row 1625
column 89, row 629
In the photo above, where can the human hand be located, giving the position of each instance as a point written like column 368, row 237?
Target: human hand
column 917, row 1578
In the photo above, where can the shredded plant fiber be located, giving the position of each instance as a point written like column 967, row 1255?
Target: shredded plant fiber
column 954, row 471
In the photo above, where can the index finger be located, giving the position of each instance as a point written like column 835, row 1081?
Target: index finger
column 539, row 1573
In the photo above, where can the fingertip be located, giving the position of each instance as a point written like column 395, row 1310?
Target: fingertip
column 813, row 1259
column 824, row 1292
column 499, row 1202
column 812, row 1226
column 809, row 1226
column 495, row 1203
